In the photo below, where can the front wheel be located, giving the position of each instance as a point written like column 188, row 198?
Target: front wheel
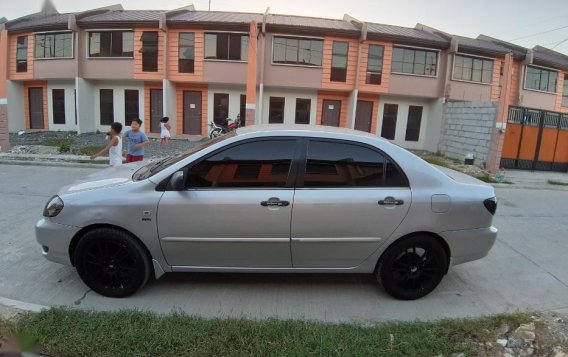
column 412, row 267
column 112, row 262
column 215, row 133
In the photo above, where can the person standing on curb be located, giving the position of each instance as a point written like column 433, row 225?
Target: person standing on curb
column 165, row 128
column 114, row 146
column 137, row 140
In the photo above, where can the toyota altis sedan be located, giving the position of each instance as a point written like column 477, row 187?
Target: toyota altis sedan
column 274, row 199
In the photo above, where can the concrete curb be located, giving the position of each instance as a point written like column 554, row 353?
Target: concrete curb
column 51, row 163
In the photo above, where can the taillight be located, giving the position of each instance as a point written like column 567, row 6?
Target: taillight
column 491, row 204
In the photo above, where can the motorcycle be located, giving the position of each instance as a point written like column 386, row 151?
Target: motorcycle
column 216, row 130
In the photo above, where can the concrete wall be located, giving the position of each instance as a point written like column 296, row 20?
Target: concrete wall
column 234, row 93
column 55, row 68
column 427, row 124
column 468, row 128
column 537, row 100
column 289, row 104
column 85, row 106
column 16, row 117
column 118, row 97
column 70, row 120
column 224, row 72
column 170, row 105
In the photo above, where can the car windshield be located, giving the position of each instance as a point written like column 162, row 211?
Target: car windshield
column 154, row 167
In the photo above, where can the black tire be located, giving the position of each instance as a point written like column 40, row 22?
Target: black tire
column 112, row 262
column 412, row 267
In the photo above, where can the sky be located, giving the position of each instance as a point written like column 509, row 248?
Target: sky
column 523, row 22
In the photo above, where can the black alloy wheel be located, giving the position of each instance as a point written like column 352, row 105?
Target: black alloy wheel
column 112, row 262
column 412, row 267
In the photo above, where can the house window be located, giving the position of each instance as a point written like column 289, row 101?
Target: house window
column 389, row 121
column 339, row 61
column 106, row 105
column 541, row 79
column 303, row 111
column 58, row 102
column 111, row 44
column 375, row 64
column 414, row 61
column 186, row 62
column 226, row 46
column 565, row 92
column 149, row 51
column 22, row 54
column 473, row 69
column 298, row 51
column 276, row 110
column 54, row 45
column 220, row 108
column 131, row 108
column 413, row 124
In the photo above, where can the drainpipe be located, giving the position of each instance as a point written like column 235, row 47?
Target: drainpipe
column 355, row 93
column 262, row 53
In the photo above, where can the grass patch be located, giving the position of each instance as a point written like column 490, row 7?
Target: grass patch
column 58, row 142
column 66, row 332
column 558, row 183
column 86, row 150
column 490, row 179
column 436, row 160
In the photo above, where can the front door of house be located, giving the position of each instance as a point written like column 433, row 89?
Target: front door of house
column 156, row 109
column 330, row 112
column 363, row 115
column 192, row 112
column 36, row 108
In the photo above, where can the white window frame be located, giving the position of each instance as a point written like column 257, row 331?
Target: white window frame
column 87, row 44
column 536, row 90
column 419, row 48
column 221, row 60
column 56, row 58
column 473, row 56
column 300, row 38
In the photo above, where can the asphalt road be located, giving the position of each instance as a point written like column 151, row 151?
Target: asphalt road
column 526, row 270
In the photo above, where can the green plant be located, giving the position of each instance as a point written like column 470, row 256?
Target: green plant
column 558, row 183
column 86, row 150
column 489, row 179
column 64, row 148
column 57, row 142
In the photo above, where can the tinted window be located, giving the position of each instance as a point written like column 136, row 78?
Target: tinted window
column 263, row 163
column 54, row 45
column 388, row 129
column 473, row 69
column 226, row 46
column 106, row 106
column 149, row 51
column 58, row 101
column 414, row 61
column 339, row 61
column 333, row 164
column 220, row 108
column 186, row 62
column 131, row 106
column 276, row 110
column 22, row 54
column 298, row 51
column 302, row 111
column 413, row 124
column 541, row 79
column 374, row 64
column 111, row 44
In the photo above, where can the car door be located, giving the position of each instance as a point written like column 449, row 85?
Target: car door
column 349, row 199
column 235, row 210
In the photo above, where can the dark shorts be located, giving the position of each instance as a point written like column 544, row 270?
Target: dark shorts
column 133, row 158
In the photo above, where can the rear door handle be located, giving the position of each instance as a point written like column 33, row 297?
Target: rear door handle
column 274, row 202
column 391, row 201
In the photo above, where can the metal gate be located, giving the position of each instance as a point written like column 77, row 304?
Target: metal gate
column 535, row 140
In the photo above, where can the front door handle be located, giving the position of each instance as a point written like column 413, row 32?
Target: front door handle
column 391, row 201
column 274, row 202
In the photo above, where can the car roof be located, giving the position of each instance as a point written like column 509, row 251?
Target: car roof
column 302, row 130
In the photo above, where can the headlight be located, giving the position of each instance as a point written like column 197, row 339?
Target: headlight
column 53, row 207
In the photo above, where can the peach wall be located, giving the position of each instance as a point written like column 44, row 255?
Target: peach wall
column 138, row 72
column 13, row 42
column 225, row 72
column 341, row 96
column 515, row 83
column 387, row 61
column 27, row 86
column 495, row 83
column 375, row 114
column 349, row 84
column 179, row 105
column 147, row 115
column 173, row 56
column 558, row 105
column 3, row 62
column 55, row 68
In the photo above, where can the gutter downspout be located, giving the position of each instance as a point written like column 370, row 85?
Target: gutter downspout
column 262, row 53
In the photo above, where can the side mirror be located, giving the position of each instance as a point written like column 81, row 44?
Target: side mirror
column 177, row 182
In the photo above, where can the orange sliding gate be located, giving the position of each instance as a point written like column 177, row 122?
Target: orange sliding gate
column 535, row 140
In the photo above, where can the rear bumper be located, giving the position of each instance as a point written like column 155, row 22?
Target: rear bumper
column 55, row 239
column 469, row 244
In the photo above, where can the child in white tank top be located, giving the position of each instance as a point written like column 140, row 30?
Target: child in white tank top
column 114, row 146
column 165, row 131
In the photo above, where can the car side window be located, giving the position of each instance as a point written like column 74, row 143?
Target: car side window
column 335, row 164
column 263, row 163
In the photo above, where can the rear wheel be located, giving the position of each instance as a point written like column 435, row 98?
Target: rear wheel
column 112, row 262
column 412, row 267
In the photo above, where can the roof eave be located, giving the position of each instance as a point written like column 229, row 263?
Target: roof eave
column 405, row 40
column 48, row 27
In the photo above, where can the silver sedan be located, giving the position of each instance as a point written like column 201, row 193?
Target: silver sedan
column 275, row 199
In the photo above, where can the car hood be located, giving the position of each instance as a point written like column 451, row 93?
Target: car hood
column 112, row 176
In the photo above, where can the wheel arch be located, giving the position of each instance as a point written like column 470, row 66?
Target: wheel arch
column 77, row 237
column 437, row 237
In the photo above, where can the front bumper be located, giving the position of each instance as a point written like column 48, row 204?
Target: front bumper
column 469, row 244
column 55, row 239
